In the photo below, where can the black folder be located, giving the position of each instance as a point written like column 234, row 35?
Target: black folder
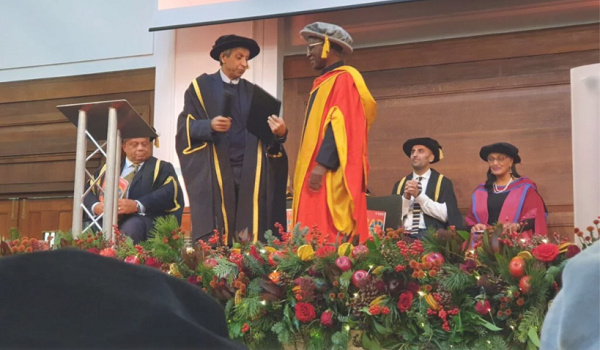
column 263, row 106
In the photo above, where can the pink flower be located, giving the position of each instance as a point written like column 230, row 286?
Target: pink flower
column 482, row 307
column 327, row 318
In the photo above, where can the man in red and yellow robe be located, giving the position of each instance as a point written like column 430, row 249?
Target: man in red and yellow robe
column 331, row 172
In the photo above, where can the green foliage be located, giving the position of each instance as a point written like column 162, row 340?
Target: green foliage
column 284, row 335
column 532, row 320
column 250, row 308
column 14, row 234
column 299, row 235
column 169, row 252
column 339, row 340
column 270, row 238
column 345, row 279
column 494, row 342
column 292, row 265
column 61, row 239
column 255, row 267
column 126, row 248
column 456, row 279
column 225, row 269
column 254, row 288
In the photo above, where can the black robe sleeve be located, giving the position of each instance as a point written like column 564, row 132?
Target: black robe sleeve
column 166, row 196
column 328, row 155
column 447, row 196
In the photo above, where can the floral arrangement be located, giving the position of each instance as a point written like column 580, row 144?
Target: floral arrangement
column 450, row 290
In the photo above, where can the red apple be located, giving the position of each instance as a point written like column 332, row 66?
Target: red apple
column 274, row 262
column 517, row 267
column 133, row 259
column 210, row 262
column 435, row 259
column 360, row 251
column 525, row 284
column 344, row 263
column 359, row 278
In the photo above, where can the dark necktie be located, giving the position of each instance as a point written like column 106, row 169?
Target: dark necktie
column 416, row 214
column 129, row 177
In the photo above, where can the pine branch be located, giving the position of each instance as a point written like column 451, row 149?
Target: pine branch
column 532, row 319
column 456, row 280
column 254, row 289
column 247, row 309
column 255, row 267
column 494, row 342
column 225, row 269
column 292, row 265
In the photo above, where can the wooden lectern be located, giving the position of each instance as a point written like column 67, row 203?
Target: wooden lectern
column 111, row 121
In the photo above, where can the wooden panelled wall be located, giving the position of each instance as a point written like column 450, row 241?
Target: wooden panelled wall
column 37, row 143
column 467, row 93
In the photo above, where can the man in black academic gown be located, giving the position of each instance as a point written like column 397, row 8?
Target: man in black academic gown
column 428, row 199
column 234, row 179
column 150, row 189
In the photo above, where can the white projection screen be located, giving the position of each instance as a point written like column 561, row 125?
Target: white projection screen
column 173, row 14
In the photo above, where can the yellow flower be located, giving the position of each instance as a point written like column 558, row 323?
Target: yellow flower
column 236, row 250
column 270, row 249
column 345, row 249
column 306, row 252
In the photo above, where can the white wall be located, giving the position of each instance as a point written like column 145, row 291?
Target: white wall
column 585, row 129
column 54, row 38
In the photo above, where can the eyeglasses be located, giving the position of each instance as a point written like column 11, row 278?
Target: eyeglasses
column 309, row 47
column 499, row 159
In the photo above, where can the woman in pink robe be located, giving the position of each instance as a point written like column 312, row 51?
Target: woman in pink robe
column 506, row 197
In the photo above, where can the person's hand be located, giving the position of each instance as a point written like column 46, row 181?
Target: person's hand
column 277, row 125
column 478, row 227
column 126, row 206
column 316, row 177
column 99, row 208
column 220, row 124
column 411, row 189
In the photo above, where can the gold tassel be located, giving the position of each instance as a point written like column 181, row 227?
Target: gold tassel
column 156, row 144
column 325, row 51
column 441, row 154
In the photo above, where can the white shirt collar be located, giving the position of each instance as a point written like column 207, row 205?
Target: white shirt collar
column 226, row 79
column 427, row 175
column 129, row 164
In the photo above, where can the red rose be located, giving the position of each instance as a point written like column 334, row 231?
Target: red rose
column 405, row 301
column 325, row 251
column 572, row 250
column 305, row 312
column 327, row 318
column 545, row 252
